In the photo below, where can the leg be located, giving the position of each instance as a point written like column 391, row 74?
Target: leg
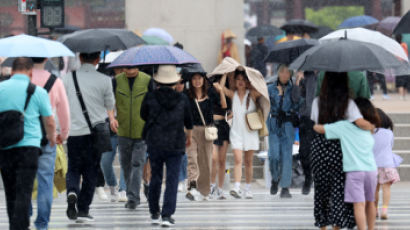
column 306, row 137
column 249, row 166
column 8, row 175
column 370, row 215
column 286, row 146
column 274, row 148
column 74, row 165
column 182, row 172
column 370, row 79
column 215, row 164
column 376, row 197
column 173, row 163
column 45, row 178
column 106, row 164
column 222, row 163
column 204, row 163
column 238, row 165
column 382, row 80
column 139, row 150
column 157, row 166
column 192, row 155
column 386, row 194
column 146, row 175
column 360, row 215
column 125, row 149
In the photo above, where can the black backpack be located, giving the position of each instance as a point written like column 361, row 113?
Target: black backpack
column 49, row 84
column 12, row 122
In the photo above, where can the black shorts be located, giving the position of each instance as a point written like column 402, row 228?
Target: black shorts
column 403, row 81
column 223, row 132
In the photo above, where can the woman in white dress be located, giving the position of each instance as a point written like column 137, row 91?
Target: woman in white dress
column 242, row 139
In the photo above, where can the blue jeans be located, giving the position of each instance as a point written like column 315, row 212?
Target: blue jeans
column 280, row 154
column 107, row 159
column 182, row 171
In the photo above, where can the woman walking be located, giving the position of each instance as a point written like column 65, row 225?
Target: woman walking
column 284, row 98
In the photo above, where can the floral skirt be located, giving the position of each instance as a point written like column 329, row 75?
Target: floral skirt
column 387, row 175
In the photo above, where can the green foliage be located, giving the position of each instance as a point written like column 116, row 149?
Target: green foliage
column 332, row 16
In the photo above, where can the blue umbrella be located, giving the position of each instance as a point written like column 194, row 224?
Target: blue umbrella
column 28, row 46
column 358, row 21
column 153, row 55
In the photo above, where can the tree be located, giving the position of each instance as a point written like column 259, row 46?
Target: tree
column 332, row 16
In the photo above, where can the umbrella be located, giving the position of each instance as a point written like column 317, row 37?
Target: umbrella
column 96, row 40
column 322, row 31
column 28, row 46
column 345, row 55
column 387, row 25
column 358, row 21
column 403, row 27
column 286, row 52
column 189, row 69
column 153, row 55
column 263, row 31
column 256, row 79
column 160, row 33
column 299, row 26
column 49, row 66
column 111, row 56
column 374, row 37
column 154, row 40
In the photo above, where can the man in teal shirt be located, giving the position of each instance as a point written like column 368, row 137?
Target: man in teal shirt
column 357, row 83
column 18, row 163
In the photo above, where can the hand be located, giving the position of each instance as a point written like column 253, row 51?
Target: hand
column 299, row 76
column 59, row 140
column 114, row 125
column 188, row 141
column 280, row 90
column 51, row 140
column 217, row 86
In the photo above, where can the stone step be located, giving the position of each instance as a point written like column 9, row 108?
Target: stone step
column 404, row 171
column 405, row 154
column 400, row 118
column 401, row 143
column 401, row 130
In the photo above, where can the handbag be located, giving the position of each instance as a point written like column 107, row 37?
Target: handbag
column 211, row 132
column 12, row 122
column 253, row 120
column 100, row 132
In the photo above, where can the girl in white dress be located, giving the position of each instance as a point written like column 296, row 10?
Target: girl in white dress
column 241, row 138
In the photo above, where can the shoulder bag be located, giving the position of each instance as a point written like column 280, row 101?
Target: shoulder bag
column 211, row 132
column 255, row 119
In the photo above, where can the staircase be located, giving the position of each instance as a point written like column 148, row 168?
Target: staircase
column 402, row 142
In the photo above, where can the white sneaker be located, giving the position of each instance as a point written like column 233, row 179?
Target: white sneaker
column 101, row 193
column 122, row 196
column 181, row 186
column 114, row 194
column 213, row 192
column 248, row 194
column 192, row 194
column 220, row 195
column 386, row 97
column 236, row 192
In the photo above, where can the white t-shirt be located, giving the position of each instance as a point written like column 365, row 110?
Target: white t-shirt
column 352, row 112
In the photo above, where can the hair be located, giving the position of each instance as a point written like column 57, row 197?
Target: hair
column 385, row 121
column 399, row 38
column 191, row 90
column 89, row 57
column 368, row 110
column 38, row 60
column 281, row 67
column 334, row 97
column 22, row 64
column 179, row 45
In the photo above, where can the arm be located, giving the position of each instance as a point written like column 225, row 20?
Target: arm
column 220, row 90
column 188, row 121
column 63, row 112
column 144, row 113
column 50, row 127
column 113, row 121
column 229, row 93
column 109, row 103
column 364, row 124
column 319, row 129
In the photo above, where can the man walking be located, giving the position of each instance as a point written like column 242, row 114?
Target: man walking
column 257, row 56
column 83, row 160
column 18, row 163
column 45, row 172
column 130, row 89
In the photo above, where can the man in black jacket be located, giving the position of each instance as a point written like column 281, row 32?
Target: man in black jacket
column 166, row 113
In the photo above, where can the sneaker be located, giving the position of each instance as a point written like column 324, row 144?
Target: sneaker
column 284, row 193
column 383, row 215
column 306, row 186
column 181, row 187
column 248, row 194
column 155, row 219
column 274, row 187
column 146, row 190
column 192, row 194
column 220, row 194
column 386, row 97
column 213, row 190
column 167, row 221
column 84, row 217
column 236, row 192
column 101, row 193
column 204, row 198
column 71, row 206
column 114, row 194
column 122, row 196
column 131, row 204
column 372, row 98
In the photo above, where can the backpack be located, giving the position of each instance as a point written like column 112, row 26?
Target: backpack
column 12, row 122
column 49, row 84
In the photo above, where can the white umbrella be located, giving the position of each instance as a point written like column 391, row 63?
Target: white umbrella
column 111, row 56
column 370, row 36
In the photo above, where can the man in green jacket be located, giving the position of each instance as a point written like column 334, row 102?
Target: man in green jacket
column 357, row 83
column 130, row 89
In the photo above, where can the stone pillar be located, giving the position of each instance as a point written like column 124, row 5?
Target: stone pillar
column 377, row 9
column 198, row 24
column 405, row 6
column 298, row 9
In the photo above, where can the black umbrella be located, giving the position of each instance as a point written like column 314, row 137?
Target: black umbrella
column 188, row 70
column 346, row 55
column 49, row 66
column 299, row 26
column 321, row 32
column 403, row 27
column 263, row 31
column 95, row 40
column 287, row 52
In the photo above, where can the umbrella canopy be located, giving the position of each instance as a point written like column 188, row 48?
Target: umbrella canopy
column 154, row 40
column 263, row 31
column 28, row 46
column 322, row 31
column 370, row 36
column 299, row 26
column 111, row 56
column 345, row 55
column 358, row 21
column 49, row 66
column 403, row 27
column 387, row 25
column 256, row 79
column 188, row 70
column 96, row 40
column 153, row 55
column 287, row 52
column 160, row 33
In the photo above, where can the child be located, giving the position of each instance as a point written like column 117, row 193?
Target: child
column 385, row 160
column 358, row 163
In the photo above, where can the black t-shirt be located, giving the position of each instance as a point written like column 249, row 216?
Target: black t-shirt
column 206, row 108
